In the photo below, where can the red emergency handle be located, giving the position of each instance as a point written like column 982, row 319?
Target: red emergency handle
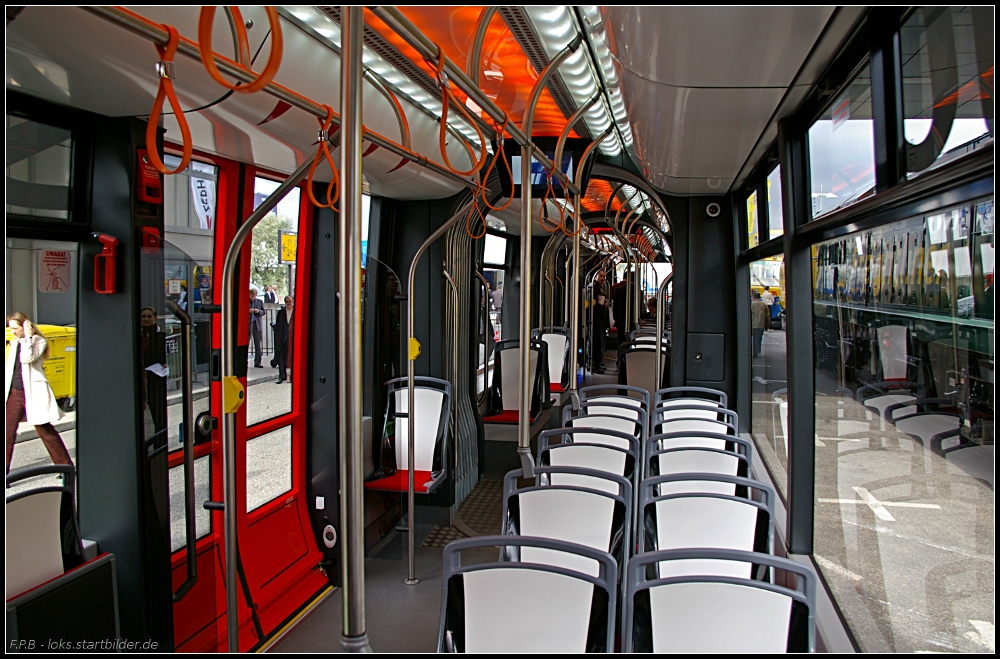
column 105, row 283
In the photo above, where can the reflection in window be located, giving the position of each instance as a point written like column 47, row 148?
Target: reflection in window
column 947, row 59
column 769, row 421
column 904, row 481
column 776, row 222
column 753, row 226
column 842, row 148
column 39, row 161
column 269, row 467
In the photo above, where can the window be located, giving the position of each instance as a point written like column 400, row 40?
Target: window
column 271, row 347
column 776, row 222
column 904, row 461
column 39, row 161
column 753, row 226
column 769, row 420
column 842, row 148
column 947, row 60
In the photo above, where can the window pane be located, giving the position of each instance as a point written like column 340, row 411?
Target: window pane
column 947, row 57
column 38, row 169
column 904, row 508
column 41, row 282
column 842, row 148
column 769, row 421
column 269, row 467
column 753, row 227
column 776, row 221
column 271, row 344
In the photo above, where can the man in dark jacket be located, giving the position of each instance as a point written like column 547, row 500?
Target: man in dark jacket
column 256, row 325
column 283, row 338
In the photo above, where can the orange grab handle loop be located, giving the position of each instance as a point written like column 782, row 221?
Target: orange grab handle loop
column 565, row 216
column 468, row 219
column 206, row 21
column 543, row 215
column 166, row 92
column 499, row 155
column 445, row 96
column 323, row 150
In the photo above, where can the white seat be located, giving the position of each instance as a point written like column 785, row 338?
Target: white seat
column 34, row 543
column 518, row 606
column 718, row 614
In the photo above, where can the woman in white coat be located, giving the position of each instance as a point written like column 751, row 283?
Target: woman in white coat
column 29, row 396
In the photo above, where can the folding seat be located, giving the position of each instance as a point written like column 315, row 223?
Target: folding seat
column 432, row 410
column 505, row 389
column 556, row 340
column 637, row 366
column 693, row 417
column 703, row 395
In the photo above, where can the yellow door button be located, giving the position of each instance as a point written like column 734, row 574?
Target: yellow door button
column 233, row 394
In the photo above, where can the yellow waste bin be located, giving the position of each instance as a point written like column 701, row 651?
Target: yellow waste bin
column 60, row 367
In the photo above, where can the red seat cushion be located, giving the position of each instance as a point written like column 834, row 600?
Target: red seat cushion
column 507, row 416
column 399, row 482
column 556, row 387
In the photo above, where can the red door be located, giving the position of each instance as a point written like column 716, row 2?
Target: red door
column 278, row 552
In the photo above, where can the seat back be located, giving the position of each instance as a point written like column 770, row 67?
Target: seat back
column 621, row 393
column 892, row 351
column 703, row 418
column 638, row 366
column 432, row 414
column 703, row 394
column 688, row 460
column 689, row 517
column 43, row 538
column 506, row 387
column 34, row 548
column 717, row 614
column 521, row 606
column 557, row 341
column 605, row 451
column 594, row 517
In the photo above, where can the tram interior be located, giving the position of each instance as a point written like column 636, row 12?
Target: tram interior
column 500, row 329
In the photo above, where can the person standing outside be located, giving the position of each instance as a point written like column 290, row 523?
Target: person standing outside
column 270, row 294
column 601, row 320
column 283, row 338
column 256, row 325
column 497, row 297
column 29, row 396
column 760, row 317
column 767, row 297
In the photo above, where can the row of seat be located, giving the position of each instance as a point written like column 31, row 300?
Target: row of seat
column 642, row 524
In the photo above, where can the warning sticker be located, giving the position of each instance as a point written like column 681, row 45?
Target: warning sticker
column 53, row 271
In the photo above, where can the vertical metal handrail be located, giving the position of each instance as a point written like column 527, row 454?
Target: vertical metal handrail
column 413, row 350
column 454, row 363
column 660, row 304
column 575, row 279
column 229, row 310
column 524, row 342
column 349, row 339
column 187, row 416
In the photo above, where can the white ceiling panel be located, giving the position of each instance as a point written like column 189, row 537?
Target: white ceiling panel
column 715, row 46
column 695, row 133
